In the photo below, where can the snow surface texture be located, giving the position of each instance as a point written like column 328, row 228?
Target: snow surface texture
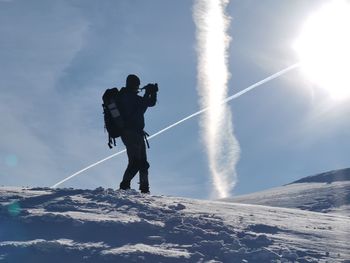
column 104, row 225
column 327, row 193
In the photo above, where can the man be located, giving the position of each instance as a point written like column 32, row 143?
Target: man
column 132, row 107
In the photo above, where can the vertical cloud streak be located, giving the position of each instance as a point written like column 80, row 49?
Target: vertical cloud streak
column 216, row 124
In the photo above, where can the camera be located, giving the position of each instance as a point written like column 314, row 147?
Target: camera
column 151, row 88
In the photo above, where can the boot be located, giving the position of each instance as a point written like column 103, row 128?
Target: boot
column 124, row 185
column 144, row 189
column 144, row 186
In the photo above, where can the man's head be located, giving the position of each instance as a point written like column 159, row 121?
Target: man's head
column 133, row 82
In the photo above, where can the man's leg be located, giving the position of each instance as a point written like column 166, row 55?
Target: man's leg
column 144, row 165
column 130, row 141
column 129, row 174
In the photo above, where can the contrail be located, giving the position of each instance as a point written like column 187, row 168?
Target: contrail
column 216, row 125
column 228, row 99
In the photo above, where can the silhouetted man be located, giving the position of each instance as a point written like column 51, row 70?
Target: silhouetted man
column 132, row 107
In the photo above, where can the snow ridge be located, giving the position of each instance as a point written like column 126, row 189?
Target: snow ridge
column 326, row 192
column 327, row 177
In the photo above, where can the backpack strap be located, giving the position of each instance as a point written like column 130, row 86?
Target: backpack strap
column 145, row 135
column 111, row 141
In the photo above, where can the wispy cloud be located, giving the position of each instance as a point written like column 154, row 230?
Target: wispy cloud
column 213, row 75
column 35, row 51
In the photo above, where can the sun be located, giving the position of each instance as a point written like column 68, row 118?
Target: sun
column 324, row 48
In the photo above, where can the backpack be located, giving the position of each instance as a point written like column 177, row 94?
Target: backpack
column 113, row 120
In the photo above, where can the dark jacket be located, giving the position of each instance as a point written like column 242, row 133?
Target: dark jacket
column 132, row 108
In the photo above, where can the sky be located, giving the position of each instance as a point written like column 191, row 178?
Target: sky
column 57, row 58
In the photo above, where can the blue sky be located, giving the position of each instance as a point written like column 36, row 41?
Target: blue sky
column 57, row 58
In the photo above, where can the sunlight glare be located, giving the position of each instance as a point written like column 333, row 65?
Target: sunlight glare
column 324, row 48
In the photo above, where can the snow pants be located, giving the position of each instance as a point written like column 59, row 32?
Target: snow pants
column 136, row 151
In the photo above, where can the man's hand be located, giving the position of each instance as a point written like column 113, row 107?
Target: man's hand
column 151, row 88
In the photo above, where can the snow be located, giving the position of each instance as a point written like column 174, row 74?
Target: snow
column 321, row 197
column 104, row 225
column 166, row 250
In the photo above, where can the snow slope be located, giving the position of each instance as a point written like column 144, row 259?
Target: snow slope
column 103, row 225
column 327, row 192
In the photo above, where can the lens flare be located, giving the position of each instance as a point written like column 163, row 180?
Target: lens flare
column 14, row 208
column 11, row 160
column 216, row 124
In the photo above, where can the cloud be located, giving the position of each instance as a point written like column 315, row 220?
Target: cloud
column 217, row 128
